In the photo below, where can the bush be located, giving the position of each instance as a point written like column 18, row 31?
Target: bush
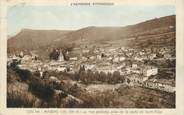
column 100, row 100
column 88, row 77
column 117, row 78
column 19, row 96
column 24, row 74
column 41, row 89
column 54, row 55
column 20, row 99
column 12, row 76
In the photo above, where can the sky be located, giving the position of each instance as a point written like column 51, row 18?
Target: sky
column 76, row 17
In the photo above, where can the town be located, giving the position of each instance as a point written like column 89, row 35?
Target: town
column 139, row 67
column 94, row 67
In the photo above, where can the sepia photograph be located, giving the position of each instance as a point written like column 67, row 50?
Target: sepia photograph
column 91, row 55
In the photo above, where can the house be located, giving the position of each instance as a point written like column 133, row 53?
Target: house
column 123, row 72
column 136, row 79
column 21, row 54
column 99, row 57
column 149, row 70
column 14, row 57
column 92, row 57
column 54, row 79
column 167, row 56
column 138, row 58
column 85, row 51
column 112, row 49
column 128, row 70
column 142, row 53
column 89, row 67
column 121, row 66
column 84, row 58
column 61, row 69
column 73, row 58
column 96, row 51
column 156, row 84
column 134, row 65
column 123, row 48
column 121, row 58
column 26, row 58
column 152, row 56
column 109, row 58
column 129, row 54
column 136, row 70
column 115, row 60
column 106, row 69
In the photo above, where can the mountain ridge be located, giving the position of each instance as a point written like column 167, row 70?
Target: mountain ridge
column 33, row 39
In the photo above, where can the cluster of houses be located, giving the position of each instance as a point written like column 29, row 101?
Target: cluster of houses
column 163, row 85
column 127, row 61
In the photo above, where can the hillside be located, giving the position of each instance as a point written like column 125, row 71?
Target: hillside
column 143, row 34
column 123, row 34
column 34, row 39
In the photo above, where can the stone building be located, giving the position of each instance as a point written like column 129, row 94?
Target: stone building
column 149, row 70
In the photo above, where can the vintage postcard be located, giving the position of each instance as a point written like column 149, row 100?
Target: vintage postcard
column 92, row 57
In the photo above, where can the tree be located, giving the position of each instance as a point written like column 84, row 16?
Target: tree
column 54, row 55
column 65, row 55
column 102, row 76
